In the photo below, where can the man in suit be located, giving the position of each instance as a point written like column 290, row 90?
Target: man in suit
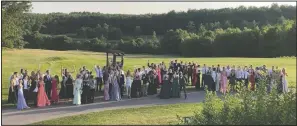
column 48, row 83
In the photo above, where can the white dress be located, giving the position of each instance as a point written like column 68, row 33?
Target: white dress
column 285, row 83
column 77, row 92
column 218, row 79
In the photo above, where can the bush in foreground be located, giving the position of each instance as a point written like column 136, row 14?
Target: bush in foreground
column 247, row 108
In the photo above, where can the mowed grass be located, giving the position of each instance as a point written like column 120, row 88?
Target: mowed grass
column 155, row 115
column 14, row 60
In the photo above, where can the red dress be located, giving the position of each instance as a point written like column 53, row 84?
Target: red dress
column 42, row 99
column 194, row 77
column 55, row 96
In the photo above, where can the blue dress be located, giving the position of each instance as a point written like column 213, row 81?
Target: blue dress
column 21, row 100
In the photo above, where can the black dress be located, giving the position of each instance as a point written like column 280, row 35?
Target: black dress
column 69, row 88
column 86, row 92
column 165, row 90
column 197, row 86
column 33, row 95
column 152, row 87
column 12, row 98
column 136, row 88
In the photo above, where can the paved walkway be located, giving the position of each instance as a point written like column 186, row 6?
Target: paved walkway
column 33, row 115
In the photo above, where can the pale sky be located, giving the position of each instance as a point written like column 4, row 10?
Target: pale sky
column 138, row 7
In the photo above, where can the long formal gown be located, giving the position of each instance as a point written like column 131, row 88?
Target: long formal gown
column 152, row 87
column 284, row 83
column 175, row 87
column 77, row 92
column 194, row 79
column 62, row 93
column 12, row 98
column 165, row 89
column 224, row 82
column 252, row 80
column 218, row 79
column 115, row 90
column 159, row 76
column 106, row 90
column 55, row 96
column 198, row 86
column 69, row 88
column 42, row 99
column 21, row 100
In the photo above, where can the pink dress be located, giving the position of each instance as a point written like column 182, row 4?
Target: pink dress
column 159, row 75
column 223, row 82
column 55, row 96
column 42, row 99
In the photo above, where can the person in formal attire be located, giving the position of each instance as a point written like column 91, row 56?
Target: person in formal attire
column 218, row 78
column 48, row 83
column 224, row 81
column 232, row 80
column 22, row 104
column 158, row 72
column 245, row 77
column 33, row 91
column 198, row 86
column 92, row 88
column 175, row 93
column 115, row 89
column 166, row 88
column 204, row 70
column 42, row 99
column 284, row 80
column 121, row 82
column 69, row 86
column 26, row 84
column 99, row 75
column 12, row 98
column 252, row 79
column 182, row 82
column 86, row 89
column 190, row 72
column 62, row 93
column 55, row 96
column 111, row 74
column 77, row 90
column 208, row 81
column 194, row 79
column 145, row 83
column 106, row 84
column 214, row 78
column 129, row 80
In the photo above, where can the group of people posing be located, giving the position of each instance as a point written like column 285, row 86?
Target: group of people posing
column 115, row 83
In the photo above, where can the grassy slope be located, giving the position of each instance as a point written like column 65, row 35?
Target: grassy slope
column 155, row 115
column 13, row 60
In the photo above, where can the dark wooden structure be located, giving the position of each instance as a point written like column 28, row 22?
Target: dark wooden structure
column 114, row 53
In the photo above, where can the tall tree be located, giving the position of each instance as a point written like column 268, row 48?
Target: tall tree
column 191, row 27
column 12, row 23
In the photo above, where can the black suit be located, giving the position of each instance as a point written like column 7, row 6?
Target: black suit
column 48, row 85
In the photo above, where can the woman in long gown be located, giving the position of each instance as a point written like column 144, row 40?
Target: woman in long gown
column 218, row 79
column 69, row 86
column 42, row 99
column 77, row 90
column 55, row 96
column 21, row 100
column 175, row 86
column 158, row 72
column 106, row 85
column 197, row 86
column 135, row 85
column 115, row 89
column 252, row 79
column 129, row 80
column 194, row 75
column 33, row 89
column 62, row 93
column 284, row 81
column 232, row 80
column 165, row 89
column 152, row 83
column 224, row 81
column 12, row 98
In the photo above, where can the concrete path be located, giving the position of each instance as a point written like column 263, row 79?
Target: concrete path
column 15, row 117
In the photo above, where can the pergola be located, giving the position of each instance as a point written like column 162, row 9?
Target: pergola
column 115, row 53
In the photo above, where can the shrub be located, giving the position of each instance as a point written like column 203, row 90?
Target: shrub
column 247, row 108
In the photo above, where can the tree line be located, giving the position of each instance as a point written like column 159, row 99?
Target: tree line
column 229, row 32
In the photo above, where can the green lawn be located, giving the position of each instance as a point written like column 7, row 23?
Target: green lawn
column 14, row 60
column 155, row 115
